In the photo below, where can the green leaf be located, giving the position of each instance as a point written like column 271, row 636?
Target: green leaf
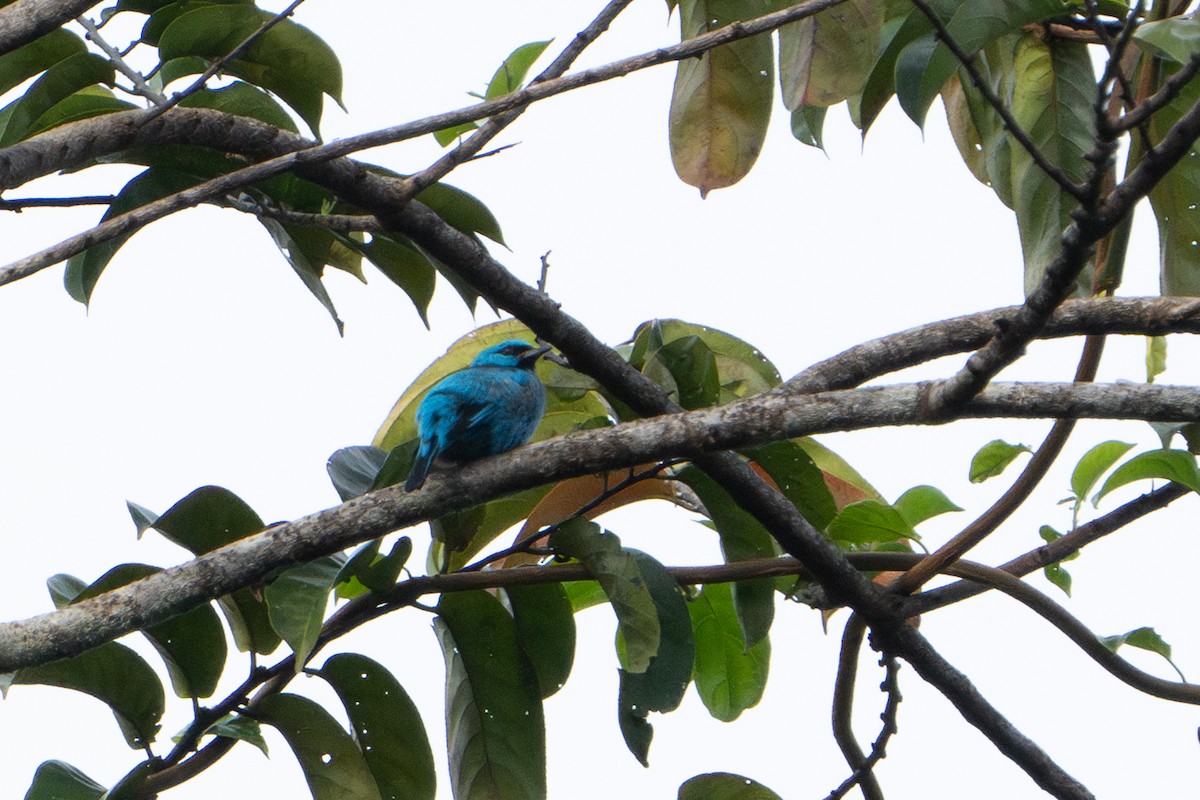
column 64, row 589
column 545, row 631
column 84, row 270
column 742, row 538
column 402, row 263
column 21, row 64
column 387, row 726
column 620, row 576
column 115, row 675
column 923, row 502
column 1156, row 357
column 333, row 765
column 242, row 100
column 367, row 571
column 1095, row 462
column 495, row 732
column 662, row 685
column 242, row 729
column 870, row 522
column 1178, row 466
column 993, row 458
column 1055, row 87
column 289, row 60
column 729, row 677
column 512, row 72
column 296, row 603
column 724, row 786
column 307, row 268
column 1055, row 572
column 1176, row 38
column 447, row 135
column 826, row 58
column 795, row 473
column 132, row 785
column 742, row 369
column 1143, row 639
column 1174, row 199
column 91, row 101
column 353, row 469
column 460, row 535
column 192, row 644
column 721, row 102
column 461, row 210
column 211, row 517
column 693, row 369
column 57, row 780
column 58, row 83
column 807, row 125
column 143, row 517
column 900, row 29
column 925, row 66
column 208, row 518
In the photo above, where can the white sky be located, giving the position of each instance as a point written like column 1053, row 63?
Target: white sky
column 203, row 360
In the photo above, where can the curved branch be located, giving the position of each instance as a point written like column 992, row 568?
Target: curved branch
column 1020, row 489
column 843, row 710
column 71, row 630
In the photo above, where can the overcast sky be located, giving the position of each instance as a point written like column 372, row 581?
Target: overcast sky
column 203, row 360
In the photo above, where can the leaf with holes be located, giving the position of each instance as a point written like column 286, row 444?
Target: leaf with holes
column 495, row 732
column 386, row 724
column 332, row 763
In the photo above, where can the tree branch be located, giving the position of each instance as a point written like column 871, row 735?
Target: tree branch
column 301, row 152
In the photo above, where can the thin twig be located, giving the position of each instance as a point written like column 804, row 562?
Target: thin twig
column 140, row 86
column 23, row 203
column 890, row 687
column 843, row 710
column 1017, row 493
column 467, row 150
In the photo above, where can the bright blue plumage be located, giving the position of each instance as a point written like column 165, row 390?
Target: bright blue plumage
column 491, row 406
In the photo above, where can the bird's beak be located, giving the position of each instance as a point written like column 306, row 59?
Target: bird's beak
column 530, row 358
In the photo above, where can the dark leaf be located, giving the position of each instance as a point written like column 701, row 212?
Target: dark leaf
column 192, row 644
column 84, row 270
column 56, row 780
column 495, row 731
column 353, row 469
column 58, row 83
column 662, row 685
column 545, row 631
column 115, row 675
column 386, row 724
column 332, row 763
column 242, row 729
column 724, row 786
column 39, row 55
column 289, row 60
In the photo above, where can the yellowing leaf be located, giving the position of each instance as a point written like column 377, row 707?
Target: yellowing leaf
column 721, row 102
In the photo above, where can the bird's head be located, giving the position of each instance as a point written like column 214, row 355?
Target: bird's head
column 513, row 353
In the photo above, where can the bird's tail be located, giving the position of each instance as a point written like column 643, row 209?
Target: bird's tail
column 420, row 469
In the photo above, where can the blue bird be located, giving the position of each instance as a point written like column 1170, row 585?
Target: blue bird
column 492, row 406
